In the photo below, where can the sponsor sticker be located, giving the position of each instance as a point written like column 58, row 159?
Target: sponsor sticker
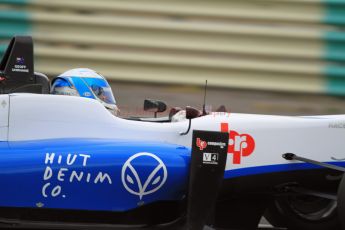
column 210, row 158
column 201, row 144
column 20, row 61
column 135, row 184
column 60, row 171
column 336, row 125
column 240, row 145
column 207, row 145
column 20, row 66
column 87, row 94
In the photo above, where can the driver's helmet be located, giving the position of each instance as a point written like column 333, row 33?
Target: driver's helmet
column 85, row 83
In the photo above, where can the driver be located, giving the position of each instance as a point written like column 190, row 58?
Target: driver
column 85, row 83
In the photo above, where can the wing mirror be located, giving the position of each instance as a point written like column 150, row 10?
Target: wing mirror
column 154, row 106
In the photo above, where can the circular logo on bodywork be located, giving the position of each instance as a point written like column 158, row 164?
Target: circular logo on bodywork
column 136, row 184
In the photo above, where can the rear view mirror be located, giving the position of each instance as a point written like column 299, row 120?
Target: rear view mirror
column 154, row 106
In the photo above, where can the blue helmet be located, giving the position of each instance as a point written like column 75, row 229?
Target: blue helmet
column 85, row 83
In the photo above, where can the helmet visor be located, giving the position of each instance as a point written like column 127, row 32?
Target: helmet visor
column 101, row 89
column 63, row 87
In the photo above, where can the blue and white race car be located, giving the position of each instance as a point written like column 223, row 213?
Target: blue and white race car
column 66, row 162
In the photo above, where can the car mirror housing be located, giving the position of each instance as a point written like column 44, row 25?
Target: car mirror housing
column 154, row 106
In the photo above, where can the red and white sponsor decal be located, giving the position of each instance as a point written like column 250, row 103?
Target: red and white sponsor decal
column 240, row 145
column 201, row 144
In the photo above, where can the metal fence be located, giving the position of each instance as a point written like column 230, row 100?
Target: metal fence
column 285, row 45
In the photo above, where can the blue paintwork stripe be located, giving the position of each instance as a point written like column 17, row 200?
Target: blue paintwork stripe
column 274, row 169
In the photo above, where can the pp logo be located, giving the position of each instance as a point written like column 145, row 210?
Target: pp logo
column 240, row 145
column 201, row 144
column 133, row 180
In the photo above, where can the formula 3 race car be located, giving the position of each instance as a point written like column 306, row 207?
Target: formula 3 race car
column 66, row 162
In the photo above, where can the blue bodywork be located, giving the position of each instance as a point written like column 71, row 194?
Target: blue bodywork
column 101, row 174
column 85, row 174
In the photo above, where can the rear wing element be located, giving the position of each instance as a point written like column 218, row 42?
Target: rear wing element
column 17, row 69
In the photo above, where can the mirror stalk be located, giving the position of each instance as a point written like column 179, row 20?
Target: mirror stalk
column 189, row 125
